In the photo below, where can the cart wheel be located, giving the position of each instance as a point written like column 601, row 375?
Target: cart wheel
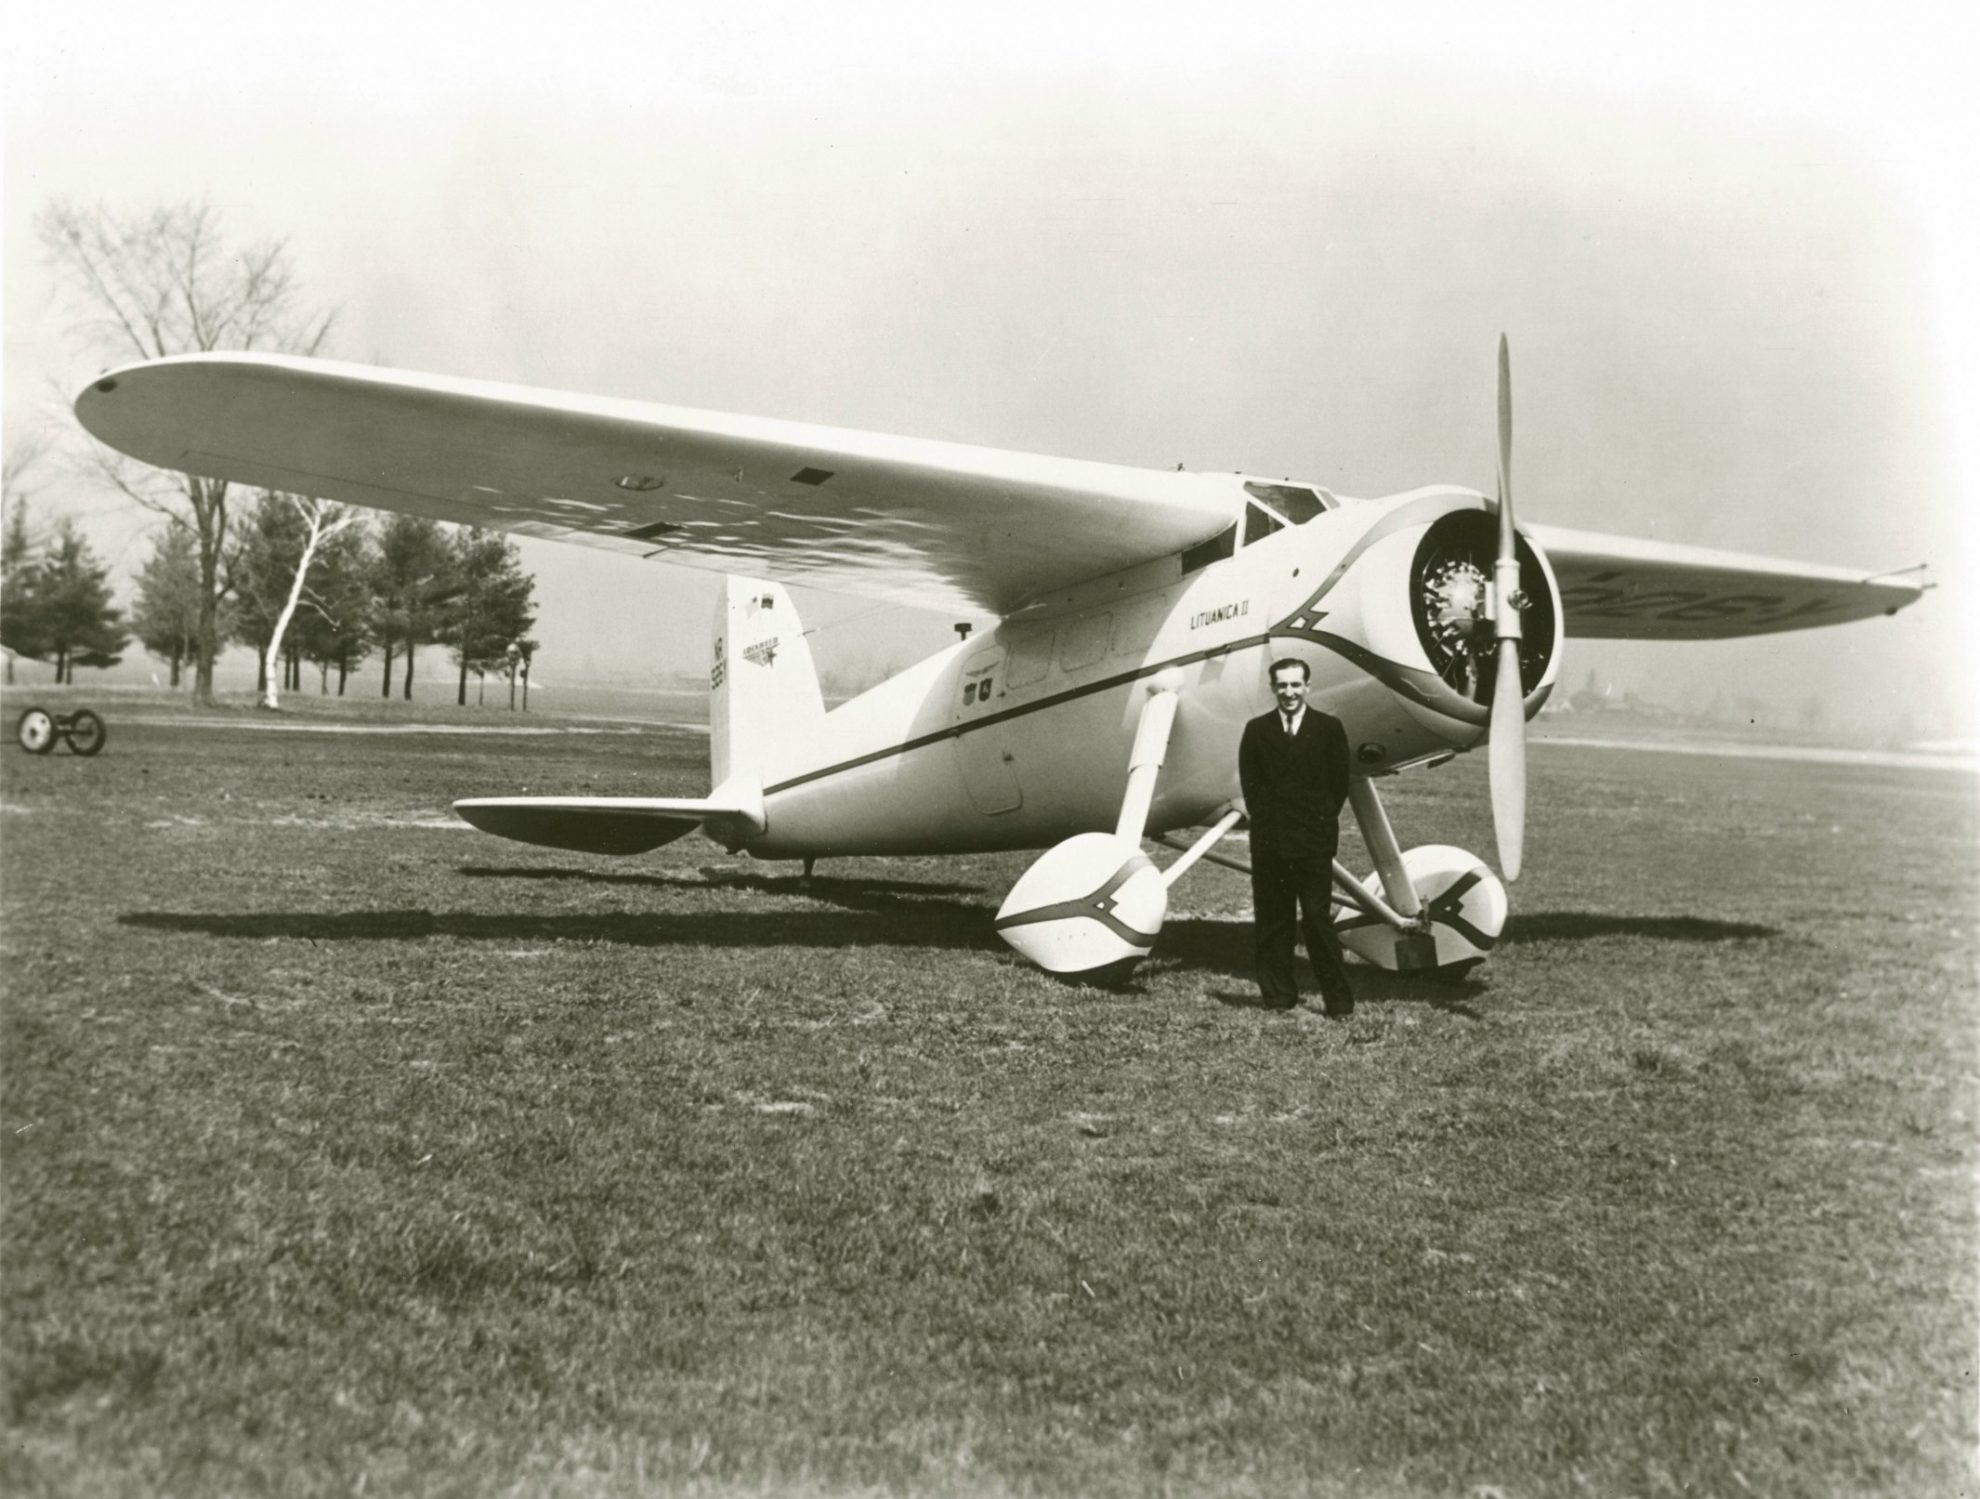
column 35, row 730
column 85, row 733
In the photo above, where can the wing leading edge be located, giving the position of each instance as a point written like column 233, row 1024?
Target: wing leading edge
column 1617, row 588
column 931, row 524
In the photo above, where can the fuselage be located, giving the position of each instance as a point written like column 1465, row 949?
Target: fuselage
column 1021, row 737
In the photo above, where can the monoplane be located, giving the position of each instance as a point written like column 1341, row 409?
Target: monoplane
column 1136, row 613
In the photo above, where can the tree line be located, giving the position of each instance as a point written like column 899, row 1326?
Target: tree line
column 304, row 582
column 304, row 585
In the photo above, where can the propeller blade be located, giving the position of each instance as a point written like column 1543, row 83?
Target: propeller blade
column 1507, row 758
column 1505, row 450
column 1507, row 761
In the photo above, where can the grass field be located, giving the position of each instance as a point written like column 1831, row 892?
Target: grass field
column 347, row 1151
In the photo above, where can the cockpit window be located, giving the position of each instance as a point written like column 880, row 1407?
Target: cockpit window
column 1272, row 507
column 1259, row 523
column 1298, row 503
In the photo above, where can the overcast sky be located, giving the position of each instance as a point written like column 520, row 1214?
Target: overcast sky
column 1729, row 248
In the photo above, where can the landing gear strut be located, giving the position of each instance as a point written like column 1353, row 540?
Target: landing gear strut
column 1445, row 908
column 1433, row 909
column 1091, row 907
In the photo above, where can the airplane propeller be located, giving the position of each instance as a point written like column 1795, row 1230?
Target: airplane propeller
column 1507, row 749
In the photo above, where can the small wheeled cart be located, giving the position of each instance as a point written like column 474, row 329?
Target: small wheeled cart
column 37, row 729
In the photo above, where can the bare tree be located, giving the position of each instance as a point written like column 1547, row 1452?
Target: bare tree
column 165, row 281
column 24, row 451
column 321, row 520
column 339, row 626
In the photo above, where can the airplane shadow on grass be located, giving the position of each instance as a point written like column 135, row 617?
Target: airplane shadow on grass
column 858, row 894
column 884, row 920
column 879, row 895
column 1225, row 947
column 1206, row 948
column 834, row 913
column 938, row 924
column 1579, row 926
column 884, row 913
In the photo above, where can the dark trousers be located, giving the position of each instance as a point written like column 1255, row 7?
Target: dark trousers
column 1289, row 893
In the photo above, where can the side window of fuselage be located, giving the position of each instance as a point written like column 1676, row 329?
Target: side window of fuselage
column 1136, row 626
column 1216, row 549
column 1084, row 641
column 1029, row 655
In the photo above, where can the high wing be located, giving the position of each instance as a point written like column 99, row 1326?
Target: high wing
column 936, row 525
column 1616, row 588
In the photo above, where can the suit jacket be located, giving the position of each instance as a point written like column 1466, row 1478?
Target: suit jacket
column 1294, row 785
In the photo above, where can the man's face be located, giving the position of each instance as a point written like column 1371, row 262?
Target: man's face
column 1289, row 687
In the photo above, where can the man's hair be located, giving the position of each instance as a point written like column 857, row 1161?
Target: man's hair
column 1305, row 671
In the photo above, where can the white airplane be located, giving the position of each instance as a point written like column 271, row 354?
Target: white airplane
column 1138, row 611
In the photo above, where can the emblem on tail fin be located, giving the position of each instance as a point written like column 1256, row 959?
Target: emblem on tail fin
column 764, row 705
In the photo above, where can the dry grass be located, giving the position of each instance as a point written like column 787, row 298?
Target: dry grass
column 343, row 1149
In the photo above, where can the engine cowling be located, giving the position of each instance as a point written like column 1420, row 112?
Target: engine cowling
column 1450, row 586
column 1411, row 604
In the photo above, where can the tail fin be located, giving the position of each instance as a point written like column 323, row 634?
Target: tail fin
column 763, row 696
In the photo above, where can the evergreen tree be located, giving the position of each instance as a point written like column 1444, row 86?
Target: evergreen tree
column 20, row 626
column 166, row 613
column 414, row 582
column 494, row 607
column 23, row 621
column 81, row 626
column 15, row 549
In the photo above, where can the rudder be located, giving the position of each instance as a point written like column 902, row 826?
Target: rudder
column 763, row 695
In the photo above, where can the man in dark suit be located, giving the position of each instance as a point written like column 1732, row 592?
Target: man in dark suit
column 1293, row 769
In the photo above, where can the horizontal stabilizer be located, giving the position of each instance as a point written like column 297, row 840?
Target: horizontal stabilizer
column 606, row 824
